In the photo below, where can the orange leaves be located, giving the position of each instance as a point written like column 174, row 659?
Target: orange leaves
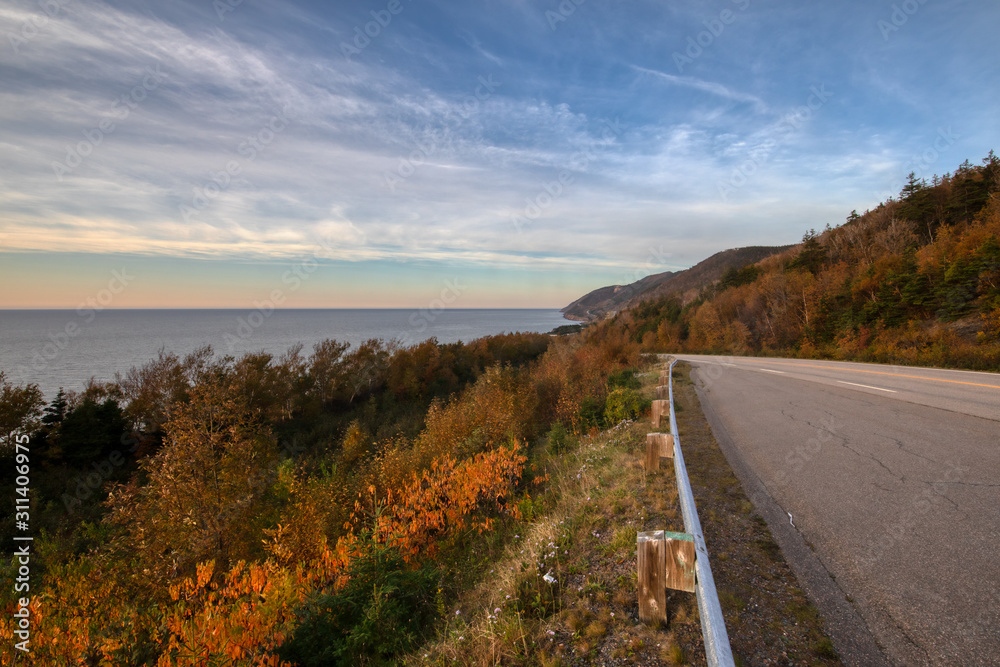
column 243, row 617
column 301, row 533
column 174, row 582
column 991, row 325
column 572, row 372
column 448, row 495
column 70, row 618
column 204, row 573
column 490, row 413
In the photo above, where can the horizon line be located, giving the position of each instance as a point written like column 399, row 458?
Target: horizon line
column 425, row 307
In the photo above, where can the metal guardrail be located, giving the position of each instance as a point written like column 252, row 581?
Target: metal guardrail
column 713, row 625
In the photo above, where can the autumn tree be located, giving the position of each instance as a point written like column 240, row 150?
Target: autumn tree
column 152, row 390
column 202, row 498
column 366, row 368
column 20, row 411
column 327, row 369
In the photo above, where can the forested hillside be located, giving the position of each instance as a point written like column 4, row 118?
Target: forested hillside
column 607, row 301
column 320, row 509
column 914, row 281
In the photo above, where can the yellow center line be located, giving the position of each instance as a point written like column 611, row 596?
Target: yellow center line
column 899, row 375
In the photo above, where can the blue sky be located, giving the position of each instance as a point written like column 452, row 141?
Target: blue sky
column 531, row 150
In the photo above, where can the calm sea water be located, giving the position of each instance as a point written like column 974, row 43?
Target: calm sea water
column 64, row 348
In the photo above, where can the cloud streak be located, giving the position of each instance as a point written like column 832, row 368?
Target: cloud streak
column 197, row 167
column 710, row 87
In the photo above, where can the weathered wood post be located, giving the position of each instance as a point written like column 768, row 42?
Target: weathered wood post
column 664, row 378
column 664, row 560
column 662, row 442
column 680, row 561
column 663, row 391
column 651, row 555
column 660, row 409
column 652, row 453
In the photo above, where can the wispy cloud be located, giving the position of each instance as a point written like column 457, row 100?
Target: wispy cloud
column 199, row 167
column 710, row 87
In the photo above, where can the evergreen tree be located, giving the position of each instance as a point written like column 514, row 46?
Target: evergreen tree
column 90, row 431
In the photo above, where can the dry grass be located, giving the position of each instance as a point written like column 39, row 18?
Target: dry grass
column 597, row 498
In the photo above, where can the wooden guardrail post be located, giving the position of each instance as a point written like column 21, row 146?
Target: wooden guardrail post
column 660, row 409
column 680, row 561
column 664, row 560
column 663, row 443
column 651, row 556
column 663, row 392
column 652, row 453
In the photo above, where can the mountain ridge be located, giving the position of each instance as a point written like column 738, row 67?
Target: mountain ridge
column 606, row 301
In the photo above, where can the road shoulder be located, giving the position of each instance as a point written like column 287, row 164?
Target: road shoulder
column 841, row 621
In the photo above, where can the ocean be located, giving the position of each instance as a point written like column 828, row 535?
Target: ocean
column 65, row 348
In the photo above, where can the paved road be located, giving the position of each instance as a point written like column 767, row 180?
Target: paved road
column 892, row 478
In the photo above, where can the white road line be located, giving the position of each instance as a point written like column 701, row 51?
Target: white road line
column 768, row 370
column 867, row 386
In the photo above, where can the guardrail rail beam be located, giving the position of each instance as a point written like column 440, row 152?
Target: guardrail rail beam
column 713, row 625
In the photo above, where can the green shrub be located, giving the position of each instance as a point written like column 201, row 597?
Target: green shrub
column 559, row 439
column 531, row 508
column 623, row 404
column 624, row 378
column 382, row 612
column 535, row 597
column 591, row 412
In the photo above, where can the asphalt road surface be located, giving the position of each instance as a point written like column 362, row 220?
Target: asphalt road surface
column 891, row 478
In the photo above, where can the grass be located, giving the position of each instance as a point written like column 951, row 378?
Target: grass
column 581, row 533
column 674, row 655
column 770, row 548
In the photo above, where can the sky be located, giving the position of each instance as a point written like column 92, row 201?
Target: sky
column 378, row 153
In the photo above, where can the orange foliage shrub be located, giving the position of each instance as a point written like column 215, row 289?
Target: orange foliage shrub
column 576, row 369
column 491, row 412
column 243, row 615
column 443, row 498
